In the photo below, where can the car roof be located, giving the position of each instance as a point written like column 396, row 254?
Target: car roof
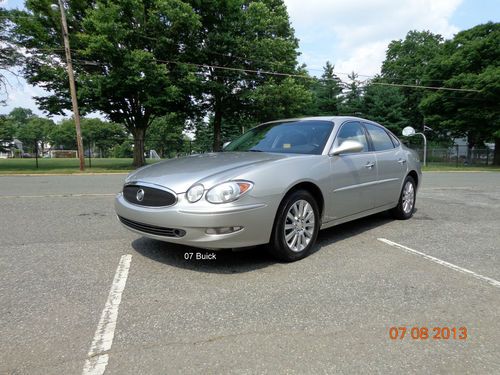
column 336, row 119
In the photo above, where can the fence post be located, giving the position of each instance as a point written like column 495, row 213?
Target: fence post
column 457, row 155
column 90, row 158
column 36, row 153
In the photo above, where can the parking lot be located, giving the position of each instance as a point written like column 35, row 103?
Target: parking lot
column 62, row 251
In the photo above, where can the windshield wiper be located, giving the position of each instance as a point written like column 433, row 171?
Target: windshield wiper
column 252, row 150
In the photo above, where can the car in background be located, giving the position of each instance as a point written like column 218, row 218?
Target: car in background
column 278, row 184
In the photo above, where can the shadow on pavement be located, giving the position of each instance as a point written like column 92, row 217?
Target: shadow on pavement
column 344, row 231
column 228, row 261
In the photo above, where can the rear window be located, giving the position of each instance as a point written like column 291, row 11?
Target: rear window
column 380, row 138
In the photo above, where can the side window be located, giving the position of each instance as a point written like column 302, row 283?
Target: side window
column 352, row 131
column 380, row 139
column 394, row 140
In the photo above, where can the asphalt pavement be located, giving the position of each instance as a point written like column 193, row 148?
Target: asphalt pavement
column 244, row 313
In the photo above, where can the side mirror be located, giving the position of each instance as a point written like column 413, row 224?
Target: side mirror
column 225, row 144
column 348, row 147
column 408, row 131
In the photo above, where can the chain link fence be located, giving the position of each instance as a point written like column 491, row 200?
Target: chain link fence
column 156, row 149
column 457, row 156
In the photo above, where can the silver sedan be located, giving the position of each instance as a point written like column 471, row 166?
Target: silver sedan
column 278, row 184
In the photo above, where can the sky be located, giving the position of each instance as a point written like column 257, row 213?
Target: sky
column 352, row 34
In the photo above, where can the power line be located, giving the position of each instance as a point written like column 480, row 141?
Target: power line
column 291, row 75
column 423, row 87
column 281, row 74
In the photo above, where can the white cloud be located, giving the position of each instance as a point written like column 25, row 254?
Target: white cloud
column 20, row 94
column 354, row 34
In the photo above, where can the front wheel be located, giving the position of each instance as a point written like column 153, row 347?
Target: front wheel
column 406, row 205
column 296, row 227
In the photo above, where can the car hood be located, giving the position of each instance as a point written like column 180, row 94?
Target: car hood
column 181, row 173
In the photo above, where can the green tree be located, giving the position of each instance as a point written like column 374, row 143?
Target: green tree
column 277, row 100
column 327, row 91
column 101, row 135
column 231, row 129
column 241, row 34
column 203, row 137
column 7, row 132
column 96, row 133
column 123, row 150
column 352, row 103
column 20, row 116
column 62, row 135
column 11, row 123
column 384, row 104
column 121, row 48
column 471, row 60
column 406, row 63
column 165, row 135
column 35, row 133
column 9, row 55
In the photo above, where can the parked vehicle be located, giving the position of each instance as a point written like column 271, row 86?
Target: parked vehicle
column 277, row 184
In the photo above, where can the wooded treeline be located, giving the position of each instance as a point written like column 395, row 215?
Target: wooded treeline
column 215, row 68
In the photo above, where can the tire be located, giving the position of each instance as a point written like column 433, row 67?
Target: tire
column 406, row 204
column 301, row 231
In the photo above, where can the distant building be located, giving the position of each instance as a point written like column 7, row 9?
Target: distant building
column 8, row 148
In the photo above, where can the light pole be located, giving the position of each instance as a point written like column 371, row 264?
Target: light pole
column 72, row 87
column 410, row 132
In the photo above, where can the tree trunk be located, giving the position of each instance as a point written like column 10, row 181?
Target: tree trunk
column 496, row 157
column 139, row 159
column 217, row 125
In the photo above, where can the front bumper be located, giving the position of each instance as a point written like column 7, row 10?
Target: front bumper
column 255, row 218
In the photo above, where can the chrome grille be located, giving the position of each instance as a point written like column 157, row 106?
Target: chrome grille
column 148, row 196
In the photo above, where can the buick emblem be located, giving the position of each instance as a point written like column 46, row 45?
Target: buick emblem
column 140, row 195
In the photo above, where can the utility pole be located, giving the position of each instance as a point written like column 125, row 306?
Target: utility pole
column 72, row 87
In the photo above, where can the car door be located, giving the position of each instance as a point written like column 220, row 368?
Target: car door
column 391, row 166
column 352, row 175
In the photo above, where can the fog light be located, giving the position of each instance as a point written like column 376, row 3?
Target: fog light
column 223, row 230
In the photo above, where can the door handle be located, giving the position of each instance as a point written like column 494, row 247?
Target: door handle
column 402, row 161
column 369, row 165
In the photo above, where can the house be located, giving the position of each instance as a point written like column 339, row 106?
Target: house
column 7, row 149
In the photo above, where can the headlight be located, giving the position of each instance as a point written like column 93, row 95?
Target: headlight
column 195, row 193
column 228, row 191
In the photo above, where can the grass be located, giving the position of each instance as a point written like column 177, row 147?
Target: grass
column 444, row 167
column 65, row 166
column 109, row 165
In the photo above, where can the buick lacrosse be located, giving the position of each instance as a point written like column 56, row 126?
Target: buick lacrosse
column 277, row 184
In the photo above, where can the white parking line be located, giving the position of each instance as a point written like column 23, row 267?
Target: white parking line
column 103, row 337
column 489, row 280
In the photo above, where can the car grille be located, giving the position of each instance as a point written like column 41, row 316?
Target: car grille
column 153, row 229
column 148, row 196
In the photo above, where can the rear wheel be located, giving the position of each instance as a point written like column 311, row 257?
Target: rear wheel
column 406, row 205
column 296, row 227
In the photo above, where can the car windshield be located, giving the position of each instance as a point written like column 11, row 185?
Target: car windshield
column 294, row 137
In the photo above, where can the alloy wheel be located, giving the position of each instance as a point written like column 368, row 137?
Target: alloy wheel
column 299, row 225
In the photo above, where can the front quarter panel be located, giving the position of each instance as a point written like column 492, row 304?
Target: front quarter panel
column 273, row 180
